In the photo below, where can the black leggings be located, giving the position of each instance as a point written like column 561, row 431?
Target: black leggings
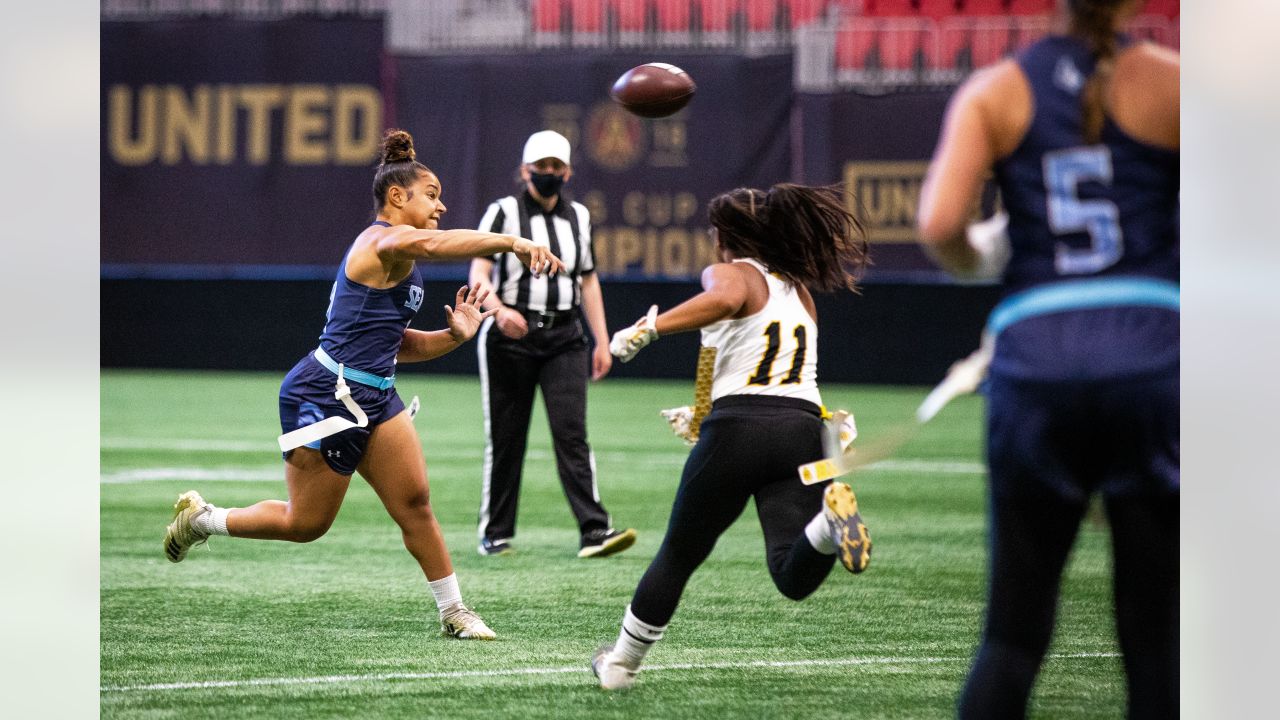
column 749, row 446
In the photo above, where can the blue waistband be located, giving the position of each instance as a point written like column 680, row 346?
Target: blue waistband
column 360, row 376
column 1083, row 295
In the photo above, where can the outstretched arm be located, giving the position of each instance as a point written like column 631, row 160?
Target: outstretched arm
column 724, row 294
column 404, row 242
column 463, row 321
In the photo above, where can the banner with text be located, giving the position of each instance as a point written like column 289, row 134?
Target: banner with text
column 236, row 144
column 646, row 182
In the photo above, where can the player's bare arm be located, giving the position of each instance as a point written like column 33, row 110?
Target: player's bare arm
column 725, row 292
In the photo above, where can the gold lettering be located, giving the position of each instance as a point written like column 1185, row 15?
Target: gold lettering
column 304, row 117
column 650, row 252
column 259, row 101
column 660, row 209
column 626, row 248
column 675, row 252
column 225, row 126
column 357, row 124
column 633, row 208
column 906, row 195
column 686, row 206
column 126, row 148
column 597, row 206
column 186, row 124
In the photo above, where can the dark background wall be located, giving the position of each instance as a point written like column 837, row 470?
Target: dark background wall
column 891, row 333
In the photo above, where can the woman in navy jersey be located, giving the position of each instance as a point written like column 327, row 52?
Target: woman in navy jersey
column 377, row 292
column 1081, row 130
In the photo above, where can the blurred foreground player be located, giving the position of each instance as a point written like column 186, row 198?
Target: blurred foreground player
column 766, row 414
column 377, row 292
column 1081, row 130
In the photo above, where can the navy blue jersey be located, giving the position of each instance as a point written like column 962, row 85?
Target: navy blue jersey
column 1091, row 289
column 364, row 326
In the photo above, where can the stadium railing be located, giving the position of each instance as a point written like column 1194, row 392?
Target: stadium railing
column 868, row 45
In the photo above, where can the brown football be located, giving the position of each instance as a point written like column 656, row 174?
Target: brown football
column 654, row 90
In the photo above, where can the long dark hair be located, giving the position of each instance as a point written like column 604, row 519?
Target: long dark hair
column 396, row 165
column 805, row 234
column 1094, row 22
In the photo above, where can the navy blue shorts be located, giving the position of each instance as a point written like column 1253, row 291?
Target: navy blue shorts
column 306, row 396
column 1117, row 437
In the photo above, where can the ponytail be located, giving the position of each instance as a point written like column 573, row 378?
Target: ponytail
column 1094, row 21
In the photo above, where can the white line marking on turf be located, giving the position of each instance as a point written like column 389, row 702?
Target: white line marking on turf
column 516, row 672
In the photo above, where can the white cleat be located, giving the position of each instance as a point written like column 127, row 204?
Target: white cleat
column 462, row 622
column 612, row 673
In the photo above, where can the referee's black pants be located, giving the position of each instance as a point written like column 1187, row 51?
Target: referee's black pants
column 749, row 446
column 553, row 357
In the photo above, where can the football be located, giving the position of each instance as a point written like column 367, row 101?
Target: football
column 654, row 90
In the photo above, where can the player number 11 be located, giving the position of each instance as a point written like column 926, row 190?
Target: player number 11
column 773, row 332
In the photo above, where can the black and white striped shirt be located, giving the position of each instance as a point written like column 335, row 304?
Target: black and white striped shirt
column 566, row 229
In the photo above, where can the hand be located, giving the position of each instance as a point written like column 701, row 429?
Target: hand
column 601, row 361
column 464, row 319
column 537, row 258
column 511, row 323
column 681, row 421
column 629, row 341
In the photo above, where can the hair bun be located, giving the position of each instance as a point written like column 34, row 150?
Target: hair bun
column 397, row 146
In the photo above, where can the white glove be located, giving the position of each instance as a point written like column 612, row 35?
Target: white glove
column 990, row 239
column 629, row 341
column 681, row 421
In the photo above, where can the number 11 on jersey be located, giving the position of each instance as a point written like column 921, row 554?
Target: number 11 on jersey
column 773, row 335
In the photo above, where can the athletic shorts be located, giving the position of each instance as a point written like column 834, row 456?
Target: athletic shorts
column 306, row 396
column 1117, row 437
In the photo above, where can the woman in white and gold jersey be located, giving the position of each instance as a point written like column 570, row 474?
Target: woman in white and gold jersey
column 765, row 415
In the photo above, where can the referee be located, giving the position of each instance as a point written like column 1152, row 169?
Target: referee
column 536, row 340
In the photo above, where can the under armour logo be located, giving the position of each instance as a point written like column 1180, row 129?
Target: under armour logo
column 333, row 453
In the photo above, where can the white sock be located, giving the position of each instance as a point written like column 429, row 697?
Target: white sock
column 213, row 522
column 446, row 591
column 819, row 533
column 635, row 639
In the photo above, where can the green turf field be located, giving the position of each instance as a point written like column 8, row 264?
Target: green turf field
column 345, row 626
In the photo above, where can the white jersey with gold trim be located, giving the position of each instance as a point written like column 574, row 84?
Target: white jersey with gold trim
column 773, row 352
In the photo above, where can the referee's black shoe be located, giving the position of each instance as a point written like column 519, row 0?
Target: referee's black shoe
column 495, row 547
column 606, row 541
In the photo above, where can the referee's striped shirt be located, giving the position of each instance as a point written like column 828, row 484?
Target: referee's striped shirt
column 566, row 229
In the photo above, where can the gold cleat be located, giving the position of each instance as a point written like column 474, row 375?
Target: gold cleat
column 462, row 622
column 853, row 542
column 182, row 534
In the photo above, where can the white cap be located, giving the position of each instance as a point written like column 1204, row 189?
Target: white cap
column 545, row 144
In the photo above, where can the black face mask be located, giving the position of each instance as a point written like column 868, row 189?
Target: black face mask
column 547, row 184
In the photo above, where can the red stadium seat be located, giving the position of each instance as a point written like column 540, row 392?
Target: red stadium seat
column 717, row 15
column 938, row 9
column 1031, row 7
column 762, row 15
column 856, row 48
column 546, row 15
column 673, row 15
column 984, row 7
column 890, row 8
column 588, row 16
column 631, row 14
column 990, row 44
column 804, row 12
column 1167, row 8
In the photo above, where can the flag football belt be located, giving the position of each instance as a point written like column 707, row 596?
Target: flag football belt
column 1083, row 295
column 360, row 376
column 342, row 392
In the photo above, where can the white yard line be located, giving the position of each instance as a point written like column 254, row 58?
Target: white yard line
column 259, row 473
column 579, row 669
